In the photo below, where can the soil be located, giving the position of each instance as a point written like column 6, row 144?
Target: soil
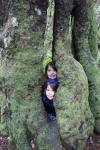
column 93, row 143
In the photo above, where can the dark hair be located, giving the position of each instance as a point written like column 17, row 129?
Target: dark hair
column 52, row 85
column 52, row 64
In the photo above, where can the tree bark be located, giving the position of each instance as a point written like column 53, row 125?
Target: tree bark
column 25, row 42
column 5, row 6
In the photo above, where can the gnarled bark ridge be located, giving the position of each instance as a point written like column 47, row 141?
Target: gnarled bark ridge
column 22, row 52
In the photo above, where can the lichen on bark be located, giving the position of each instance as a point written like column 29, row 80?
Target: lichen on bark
column 22, row 70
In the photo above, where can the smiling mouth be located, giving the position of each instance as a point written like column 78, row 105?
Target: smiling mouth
column 50, row 96
column 53, row 75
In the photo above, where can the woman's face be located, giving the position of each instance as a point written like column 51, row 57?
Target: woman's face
column 51, row 73
column 50, row 93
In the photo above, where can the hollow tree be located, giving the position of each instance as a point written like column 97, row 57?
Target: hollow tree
column 29, row 31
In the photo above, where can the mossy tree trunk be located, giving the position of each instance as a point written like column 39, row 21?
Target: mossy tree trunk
column 23, row 29
column 84, row 35
column 21, row 78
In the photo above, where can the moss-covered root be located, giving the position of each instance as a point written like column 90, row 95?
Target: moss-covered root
column 17, row 131
column 30, row 121
column 75, row 120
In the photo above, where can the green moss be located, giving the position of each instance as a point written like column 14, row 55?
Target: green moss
column 73, row 112
column 93, row 29
column 22, row 69
column 89, row 64
column 49, row 34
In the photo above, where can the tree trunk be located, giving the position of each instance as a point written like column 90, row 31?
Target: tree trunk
column 21, row 78
column 5, row 6
column 26, row 36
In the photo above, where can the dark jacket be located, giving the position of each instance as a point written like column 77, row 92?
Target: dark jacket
column 55, row 81
column 48, row 105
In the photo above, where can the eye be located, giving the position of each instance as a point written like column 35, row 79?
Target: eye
column 49, row 70
column 48, row 90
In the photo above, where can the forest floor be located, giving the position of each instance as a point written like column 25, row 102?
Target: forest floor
column 93, row 143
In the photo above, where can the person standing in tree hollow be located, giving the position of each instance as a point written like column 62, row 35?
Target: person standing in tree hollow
column 51, row 74
column 48, row 93
column 49, row 88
